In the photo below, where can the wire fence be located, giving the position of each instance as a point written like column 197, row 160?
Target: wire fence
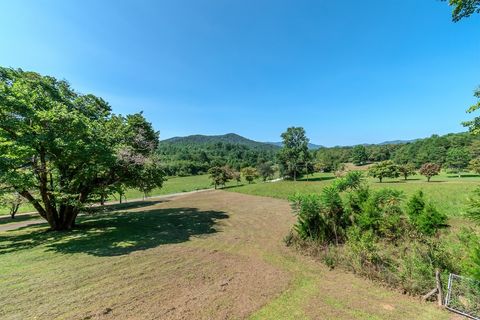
column 463, row 296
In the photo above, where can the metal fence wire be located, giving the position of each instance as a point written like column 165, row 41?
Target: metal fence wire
column 463, row 296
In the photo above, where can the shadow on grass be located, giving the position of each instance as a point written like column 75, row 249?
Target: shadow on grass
column 315, row 179
column 118, row 233
column 467, row 175
column 19, row 218
column 125, row 206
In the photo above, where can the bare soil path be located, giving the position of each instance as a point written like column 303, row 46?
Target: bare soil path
column 236, row 268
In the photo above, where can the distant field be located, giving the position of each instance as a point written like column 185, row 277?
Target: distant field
column 448, row 192
column 172, row 185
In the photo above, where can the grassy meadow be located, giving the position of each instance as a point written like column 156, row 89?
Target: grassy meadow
column 172, row 185
column 449, row 192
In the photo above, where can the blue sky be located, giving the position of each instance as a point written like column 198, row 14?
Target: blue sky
column 349, row 72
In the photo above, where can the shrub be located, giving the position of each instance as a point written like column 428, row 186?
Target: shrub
column 309, row 222
column 418, row 262
column 321, row 217
column 382, row 214
column 363, row 252
column 333, row 215
column 424, row 216
column 473, row 206
column 352, row 180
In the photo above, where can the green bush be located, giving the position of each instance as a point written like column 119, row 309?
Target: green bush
column 352, row 180
column 309, row 222
column 424, row 216
column 382, row 214
column 381, row 240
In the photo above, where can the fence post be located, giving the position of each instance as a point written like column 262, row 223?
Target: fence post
column 439, row 288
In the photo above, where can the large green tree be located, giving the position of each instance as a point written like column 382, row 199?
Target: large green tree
column 294, row 154
column 359, row 155
column 60, row 149
column 384, row 169
column 457, row 160
column 265, row 170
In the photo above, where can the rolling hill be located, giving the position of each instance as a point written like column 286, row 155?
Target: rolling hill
column 230, row 138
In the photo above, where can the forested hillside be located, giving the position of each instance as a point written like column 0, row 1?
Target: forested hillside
column 443, row 150
column 196, row 154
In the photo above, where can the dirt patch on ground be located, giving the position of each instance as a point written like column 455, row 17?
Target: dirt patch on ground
column 191, row 283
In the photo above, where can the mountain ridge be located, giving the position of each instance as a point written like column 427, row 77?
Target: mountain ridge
column 232, row 138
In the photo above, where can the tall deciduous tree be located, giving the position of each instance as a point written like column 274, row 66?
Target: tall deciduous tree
column 60, row 149
column 294, row 153
column 359, row 155
column 457, row 160
column 265, row 170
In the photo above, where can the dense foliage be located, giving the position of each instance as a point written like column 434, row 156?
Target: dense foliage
column 60, row 149
column 196, row 154
column 294, row 158
column 374, row 233
column 429, row 170
column 384, row 169
column 220, row 175
column 451, row 151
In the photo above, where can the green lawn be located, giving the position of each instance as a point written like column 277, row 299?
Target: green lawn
column 447, row 191
column 172, row 185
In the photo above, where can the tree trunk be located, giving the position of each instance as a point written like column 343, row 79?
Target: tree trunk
column 68, row 215
column 380, row 179
column 428, row 179
column 14, row 210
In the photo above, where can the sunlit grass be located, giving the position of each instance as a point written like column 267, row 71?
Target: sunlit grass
column 449, row 192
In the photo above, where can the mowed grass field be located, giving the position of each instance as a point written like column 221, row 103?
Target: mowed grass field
column 449, row 192
column 206, row 255
column 172, row 185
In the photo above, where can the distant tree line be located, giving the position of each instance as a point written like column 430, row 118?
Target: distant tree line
column 455, row 152
column 182, row 159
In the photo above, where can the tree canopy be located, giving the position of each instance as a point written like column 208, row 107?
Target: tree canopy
column 359, row 155
column 463, row 8
column 60, row 149
column 294, row 155
column 384, row 169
